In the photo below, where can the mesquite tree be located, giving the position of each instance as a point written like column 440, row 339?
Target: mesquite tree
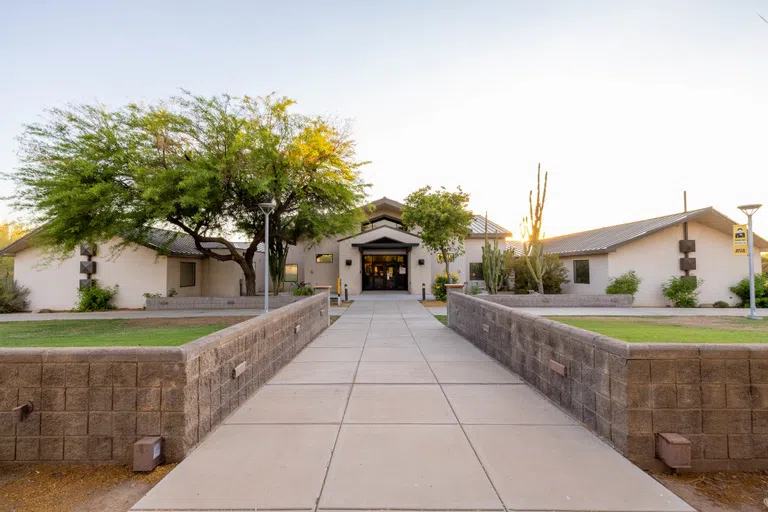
column 199, row 164
column 533, row 249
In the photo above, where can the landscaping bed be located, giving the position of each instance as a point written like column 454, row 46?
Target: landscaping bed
column 82, row 488
column 689, row 329
column 115, row 333
column 720, row 491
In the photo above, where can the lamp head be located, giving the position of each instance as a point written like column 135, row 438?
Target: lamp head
column 749, row 209
column 267, row 207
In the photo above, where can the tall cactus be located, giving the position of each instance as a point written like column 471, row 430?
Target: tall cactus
column 493, row 263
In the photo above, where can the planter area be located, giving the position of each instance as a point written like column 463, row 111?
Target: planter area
column 92, row 404
column 166, row 303
column 714, row 395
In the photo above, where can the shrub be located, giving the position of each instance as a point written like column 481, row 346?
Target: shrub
column 683, row 292
column 555, row 274
column 438, row 286
column 304, row 290
column 95, row 297
column 148, row 295
column 741, row 290
column 625, row 284
column 720, row 304
column 475, row 290
column 13, row 296
column 172, row 292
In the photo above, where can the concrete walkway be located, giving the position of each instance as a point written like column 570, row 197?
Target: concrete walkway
column 390, row 410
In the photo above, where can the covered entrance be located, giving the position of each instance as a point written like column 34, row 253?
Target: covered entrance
column 385, row 272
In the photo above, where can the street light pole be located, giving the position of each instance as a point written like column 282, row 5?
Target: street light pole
column 267, row 209
column 749, row 210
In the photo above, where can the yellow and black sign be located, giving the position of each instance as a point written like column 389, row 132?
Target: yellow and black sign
column 740, row 240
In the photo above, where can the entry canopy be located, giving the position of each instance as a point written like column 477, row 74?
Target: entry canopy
column 384, row 243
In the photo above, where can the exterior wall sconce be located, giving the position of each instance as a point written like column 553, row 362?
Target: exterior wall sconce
column 348, row 263
column 421, row 262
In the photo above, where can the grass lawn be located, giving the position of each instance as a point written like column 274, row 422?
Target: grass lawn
column 443, row 319
column 116, row 333
column 692, row 329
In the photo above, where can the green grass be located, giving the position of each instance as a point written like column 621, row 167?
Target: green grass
column 674, row 329
column 101, row 333
column 443, row 319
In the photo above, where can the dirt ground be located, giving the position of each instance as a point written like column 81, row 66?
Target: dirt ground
column 82, row 488
column 432, row 303
column 192, row 321
column 721, row 491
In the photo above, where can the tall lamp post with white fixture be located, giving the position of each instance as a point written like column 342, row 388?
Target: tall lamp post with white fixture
column 749, row 210
column 266, row 208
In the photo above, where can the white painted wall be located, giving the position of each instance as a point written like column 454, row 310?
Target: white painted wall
column 656, row 258
column 53, row 284
column 174, row 277
column 598, row 275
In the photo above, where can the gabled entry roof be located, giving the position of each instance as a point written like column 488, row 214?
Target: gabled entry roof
column 384, row 243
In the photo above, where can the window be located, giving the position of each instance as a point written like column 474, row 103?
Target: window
column 323, row 258
column 440, row 259
column 476, row 272
column 581, row 271
column 291, row 273
column 188, row 273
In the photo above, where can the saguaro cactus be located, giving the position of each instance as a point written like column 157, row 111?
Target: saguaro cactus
column 493, row 263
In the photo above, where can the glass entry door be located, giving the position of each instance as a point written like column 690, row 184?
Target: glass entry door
column 385, row 272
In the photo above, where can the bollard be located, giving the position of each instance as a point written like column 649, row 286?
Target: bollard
column 346, row 293
column 423, row 291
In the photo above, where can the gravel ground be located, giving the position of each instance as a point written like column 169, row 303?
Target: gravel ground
column 720, row 491
column 82, row 488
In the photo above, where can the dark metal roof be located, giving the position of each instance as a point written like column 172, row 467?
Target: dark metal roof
column 182, row 244
column 477, row 227
column 172, row 243
column 608, row 239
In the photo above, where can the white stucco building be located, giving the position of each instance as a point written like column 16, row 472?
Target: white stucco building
column 653, row 249
column 383, row 256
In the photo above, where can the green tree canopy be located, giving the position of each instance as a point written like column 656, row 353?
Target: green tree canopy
column 9, row 233
column 199, row 164
column 443, row 218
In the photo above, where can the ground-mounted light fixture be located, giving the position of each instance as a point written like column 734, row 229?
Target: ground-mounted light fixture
column 749, row 210
column 266, row 208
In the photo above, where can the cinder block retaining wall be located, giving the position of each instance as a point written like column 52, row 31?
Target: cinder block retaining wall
column 535, row 300
column 92, row 404
column 157, row 303
column 714, row 395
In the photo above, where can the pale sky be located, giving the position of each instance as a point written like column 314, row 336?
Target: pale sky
column 626, row 104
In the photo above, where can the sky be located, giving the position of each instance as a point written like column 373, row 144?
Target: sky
column 625, row 104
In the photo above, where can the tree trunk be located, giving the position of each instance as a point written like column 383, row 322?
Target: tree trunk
column 249, row 275
column 541, row 286
column 447, row 265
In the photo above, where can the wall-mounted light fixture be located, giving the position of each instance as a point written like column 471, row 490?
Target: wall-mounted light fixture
column 348, row 263
column 421, row 262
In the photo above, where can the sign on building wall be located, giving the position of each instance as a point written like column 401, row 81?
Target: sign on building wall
column 740, row 240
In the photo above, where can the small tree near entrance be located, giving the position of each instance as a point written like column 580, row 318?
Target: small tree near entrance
column 443, row 218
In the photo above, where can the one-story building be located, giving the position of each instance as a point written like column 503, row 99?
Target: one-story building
column 657, row 249
column 383, row 256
